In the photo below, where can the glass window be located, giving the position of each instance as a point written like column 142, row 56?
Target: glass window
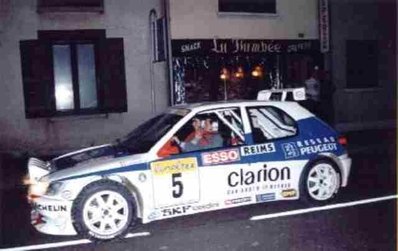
column 270, row 123
column 211, row 129
column 63, row 77
column 141, row 139
column 86, row 72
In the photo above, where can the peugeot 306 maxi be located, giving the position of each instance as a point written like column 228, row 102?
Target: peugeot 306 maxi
column 239, row 153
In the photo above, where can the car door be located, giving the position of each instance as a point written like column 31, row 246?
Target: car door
column 197, row 174
column 271, row 175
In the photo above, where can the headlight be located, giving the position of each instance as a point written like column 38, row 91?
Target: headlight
column 54, row 188
column 38, row 188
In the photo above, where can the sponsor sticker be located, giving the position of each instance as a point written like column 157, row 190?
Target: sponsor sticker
column 309, row 146
column 257, row 149
column 166, row 167
column 265, row 174
column 289, row 193
column 238, row 201
column 175, row 210
column 290, row 150
column 49, row 208
column 205, row 207
column 154, row 215
column 265, row 197
column 218, row 157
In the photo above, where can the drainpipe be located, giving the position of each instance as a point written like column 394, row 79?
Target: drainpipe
column 152, row 19
column 166, row 8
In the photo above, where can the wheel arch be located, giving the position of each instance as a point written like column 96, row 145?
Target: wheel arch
column 332, row 158
column 132, row 189
column 336, row 160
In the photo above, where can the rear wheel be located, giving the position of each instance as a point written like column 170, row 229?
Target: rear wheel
column 103, row 210
column 320, row 182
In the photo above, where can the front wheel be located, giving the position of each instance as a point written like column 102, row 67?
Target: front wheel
column 103, row 210
column 320, row 182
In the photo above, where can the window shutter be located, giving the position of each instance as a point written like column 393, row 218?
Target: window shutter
column 112, row 87
column 37, row 76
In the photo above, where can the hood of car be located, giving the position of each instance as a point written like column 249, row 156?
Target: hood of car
column 102, row 165
column 86, row 155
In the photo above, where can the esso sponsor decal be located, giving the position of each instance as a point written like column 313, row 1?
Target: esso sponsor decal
column 218, row 157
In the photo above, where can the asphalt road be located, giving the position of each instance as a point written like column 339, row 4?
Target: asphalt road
column 362, row 227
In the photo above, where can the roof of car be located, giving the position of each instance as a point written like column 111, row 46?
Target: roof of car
column 293, row 108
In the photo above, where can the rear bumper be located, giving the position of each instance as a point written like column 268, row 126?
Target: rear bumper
column 51, row 216
column 345, row 166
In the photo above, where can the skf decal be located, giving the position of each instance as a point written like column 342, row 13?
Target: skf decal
column 265, row 174
column 175, row 210
column 265, row 197
column 289, row 193
column 310, row 146
column 257, row 149
column 174, row 166
column 218, row 157
column 238, row 201
column 50, row 208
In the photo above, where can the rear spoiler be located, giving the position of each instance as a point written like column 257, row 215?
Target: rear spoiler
column 289, row 94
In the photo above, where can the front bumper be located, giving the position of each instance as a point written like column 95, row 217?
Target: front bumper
column 52, row 216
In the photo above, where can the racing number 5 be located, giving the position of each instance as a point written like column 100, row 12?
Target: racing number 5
column 177, row 185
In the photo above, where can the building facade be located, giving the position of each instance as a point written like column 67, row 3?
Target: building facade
column 363, row 63
column 76, row 73
column 226, row 49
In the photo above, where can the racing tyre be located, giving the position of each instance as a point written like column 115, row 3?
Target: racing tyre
column 320, row 182
column 103, row 210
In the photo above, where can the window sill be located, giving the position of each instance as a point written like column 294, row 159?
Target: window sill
column 361, row 90
column 77, row 117
column 70, row 9
column 247, row 14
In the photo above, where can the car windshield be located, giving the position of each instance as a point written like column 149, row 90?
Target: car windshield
column 141, row 139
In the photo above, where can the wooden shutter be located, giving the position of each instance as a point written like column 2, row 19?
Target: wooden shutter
column 37, row 76
column 112, row 87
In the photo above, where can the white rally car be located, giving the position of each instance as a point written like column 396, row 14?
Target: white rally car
column 264, row 151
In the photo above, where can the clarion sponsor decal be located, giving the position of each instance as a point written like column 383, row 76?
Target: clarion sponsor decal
column 219, row 157
column 257, row 149
column 289, row 193
column 238, row 201
column 310, row 146
column 50, row 208
column 265, row 174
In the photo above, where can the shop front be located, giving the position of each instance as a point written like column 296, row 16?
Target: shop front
column 226, row 69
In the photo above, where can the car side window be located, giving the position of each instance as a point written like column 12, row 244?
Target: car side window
column 270, row 123
column 211, row 129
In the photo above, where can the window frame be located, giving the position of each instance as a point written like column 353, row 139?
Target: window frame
column 248, row 13
column 43, row 7
column 38, row 73
column 276, row 139
column 77, row 110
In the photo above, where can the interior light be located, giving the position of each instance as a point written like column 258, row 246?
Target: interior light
column 257, row 72
column 239, row 73
column 224, row 74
